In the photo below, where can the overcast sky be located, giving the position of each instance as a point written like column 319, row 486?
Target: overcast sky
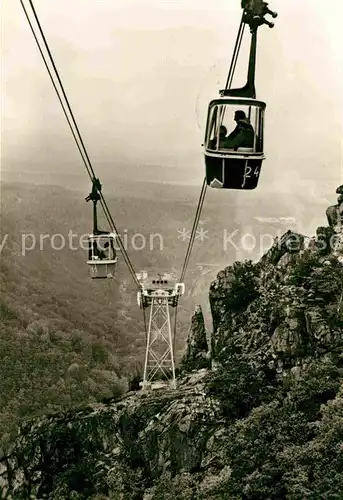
column 139, row 75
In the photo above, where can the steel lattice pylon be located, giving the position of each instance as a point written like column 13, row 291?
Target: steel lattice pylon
column 159, row 356
column 159, row 293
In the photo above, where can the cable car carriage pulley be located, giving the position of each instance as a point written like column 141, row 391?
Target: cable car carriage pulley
column 102, row 256
column 234, row 161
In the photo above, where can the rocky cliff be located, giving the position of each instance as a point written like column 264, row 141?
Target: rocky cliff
column 257, row 416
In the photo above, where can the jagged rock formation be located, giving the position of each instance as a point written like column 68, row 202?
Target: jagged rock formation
column 335, row 218
column 335, row 212
column 266, row 424
column 197, row 355
column 284, row 301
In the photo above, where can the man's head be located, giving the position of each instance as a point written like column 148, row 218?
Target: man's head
column 239, row 115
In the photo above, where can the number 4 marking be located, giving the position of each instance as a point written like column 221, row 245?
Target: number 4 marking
column 248, row 171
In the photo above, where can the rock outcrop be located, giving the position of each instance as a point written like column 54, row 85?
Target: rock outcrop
column 197, row 355
column 335, row 219
column 277, row 310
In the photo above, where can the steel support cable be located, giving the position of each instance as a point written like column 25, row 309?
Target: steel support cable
column 236, row 58
column 61, row 85
column 174, row 333
column 194, row 228
column 54, row 85
column 235, row 53
column 84, row 155
column 190, row 246
column 121, row 245
column 145, row 323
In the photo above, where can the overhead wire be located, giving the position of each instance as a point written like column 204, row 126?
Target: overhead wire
column 60, row 82
column 77, row 135
column 236, row 51
column 189, row 249
column 174, row 329
column 54, row 85
column 237, row 54
column 145, row 324
column 194, row 229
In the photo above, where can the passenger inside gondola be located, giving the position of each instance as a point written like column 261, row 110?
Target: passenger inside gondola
column 222, row 138
column 103, row 252
column 95, row 251
column 108, row 251
column 242, row 136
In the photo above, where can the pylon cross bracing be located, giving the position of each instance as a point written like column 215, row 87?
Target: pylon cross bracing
column 159, row 356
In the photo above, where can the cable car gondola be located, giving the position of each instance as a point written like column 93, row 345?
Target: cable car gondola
column 234, row 155
column 102, row 257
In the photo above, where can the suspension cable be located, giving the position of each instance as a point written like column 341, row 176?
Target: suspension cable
column 174, row 332
column 189, row 250
column 236, row 58
column 190, row 247
column 61, row 85
column 232, row 68
column 54, row 85
column 84, row 155
column 121, row 245
column 235, row 53
column 145, row 323
column 194, row 229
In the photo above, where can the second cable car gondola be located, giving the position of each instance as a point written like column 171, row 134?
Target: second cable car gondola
column 102, row 256
column 234, row 153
